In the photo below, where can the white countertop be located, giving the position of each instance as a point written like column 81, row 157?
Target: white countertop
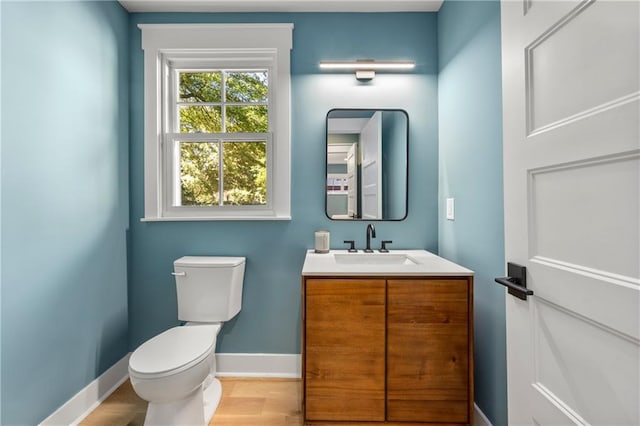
column 419, row 263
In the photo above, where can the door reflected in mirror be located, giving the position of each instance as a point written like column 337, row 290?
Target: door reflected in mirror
column 367, row 164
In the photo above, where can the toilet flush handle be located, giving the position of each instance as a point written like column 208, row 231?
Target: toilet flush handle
column 179, row 274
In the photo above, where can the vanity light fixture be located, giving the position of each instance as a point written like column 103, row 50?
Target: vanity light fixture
column 366, row 68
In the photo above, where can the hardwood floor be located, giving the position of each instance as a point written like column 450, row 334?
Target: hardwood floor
column 245, row 402
column 123, row 407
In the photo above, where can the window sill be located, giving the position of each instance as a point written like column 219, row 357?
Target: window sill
column 212, row 219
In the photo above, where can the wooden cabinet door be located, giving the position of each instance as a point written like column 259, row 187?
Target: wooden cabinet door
column 428, row 350
column 344, row 349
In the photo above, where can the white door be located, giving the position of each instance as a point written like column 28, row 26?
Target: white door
column 371, row 143
column 571, row 171
column 352, row 181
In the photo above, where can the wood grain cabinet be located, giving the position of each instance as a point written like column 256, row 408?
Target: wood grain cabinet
column 388, row 350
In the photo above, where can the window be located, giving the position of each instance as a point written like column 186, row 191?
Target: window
column 217, row 137
column 219, row 146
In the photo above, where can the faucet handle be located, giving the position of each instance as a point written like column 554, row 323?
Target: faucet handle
column 383, row 247
column 352, row 249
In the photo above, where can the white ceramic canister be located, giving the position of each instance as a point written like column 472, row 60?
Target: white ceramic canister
column 322, row 241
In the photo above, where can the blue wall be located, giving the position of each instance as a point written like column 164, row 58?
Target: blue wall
column 64, row 201
column 470, row 169
column 270, row 318
column 337, row 204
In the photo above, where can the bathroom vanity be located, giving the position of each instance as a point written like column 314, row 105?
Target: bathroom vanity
column 386, row 338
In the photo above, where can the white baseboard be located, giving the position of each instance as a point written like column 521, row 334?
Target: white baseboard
column 479, row 419
column 84, row 402
column 259, row 365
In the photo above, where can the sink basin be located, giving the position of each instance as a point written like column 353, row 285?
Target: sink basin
column 374, row 259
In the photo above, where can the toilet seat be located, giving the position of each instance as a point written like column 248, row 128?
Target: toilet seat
column 173, row 351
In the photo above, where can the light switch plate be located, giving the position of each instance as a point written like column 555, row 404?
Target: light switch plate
column 450, row 209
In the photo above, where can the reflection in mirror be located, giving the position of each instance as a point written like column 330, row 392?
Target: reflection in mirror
column 367, row 161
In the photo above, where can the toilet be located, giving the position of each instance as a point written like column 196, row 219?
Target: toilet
column 175, row 370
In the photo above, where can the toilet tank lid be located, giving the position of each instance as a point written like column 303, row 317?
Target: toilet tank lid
column 209, row 261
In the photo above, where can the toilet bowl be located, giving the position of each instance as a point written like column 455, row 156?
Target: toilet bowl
column 175, row 370
column 171, row 371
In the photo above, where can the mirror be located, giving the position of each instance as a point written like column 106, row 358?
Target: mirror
column 367, row 164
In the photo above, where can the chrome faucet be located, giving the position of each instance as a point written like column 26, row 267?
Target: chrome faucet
column 371, row 232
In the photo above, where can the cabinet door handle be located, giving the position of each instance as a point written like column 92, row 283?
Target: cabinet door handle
column 516, row 282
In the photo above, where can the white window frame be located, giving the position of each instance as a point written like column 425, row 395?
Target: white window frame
column 169, row 47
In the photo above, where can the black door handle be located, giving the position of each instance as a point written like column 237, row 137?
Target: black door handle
column 516, row 282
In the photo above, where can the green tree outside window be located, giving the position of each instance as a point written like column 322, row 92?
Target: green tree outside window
column 223, row 102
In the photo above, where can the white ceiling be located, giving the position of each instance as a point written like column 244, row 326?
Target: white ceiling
column 281, row 5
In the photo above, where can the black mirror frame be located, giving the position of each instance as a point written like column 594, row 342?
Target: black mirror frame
column 326, row 165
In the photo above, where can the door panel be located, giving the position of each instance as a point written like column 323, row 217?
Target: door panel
column 571, row 91
column 585, row 366
column 371, row 142
column 567, row 49
column 578, row 199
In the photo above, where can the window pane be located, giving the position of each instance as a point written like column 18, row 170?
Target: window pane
column 200, row 119
column 200, row 86
column 199, row 173
column 245, row 173
column 249, row 119
column 247, row 86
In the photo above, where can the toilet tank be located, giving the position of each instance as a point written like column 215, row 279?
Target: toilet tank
column 209, row 288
